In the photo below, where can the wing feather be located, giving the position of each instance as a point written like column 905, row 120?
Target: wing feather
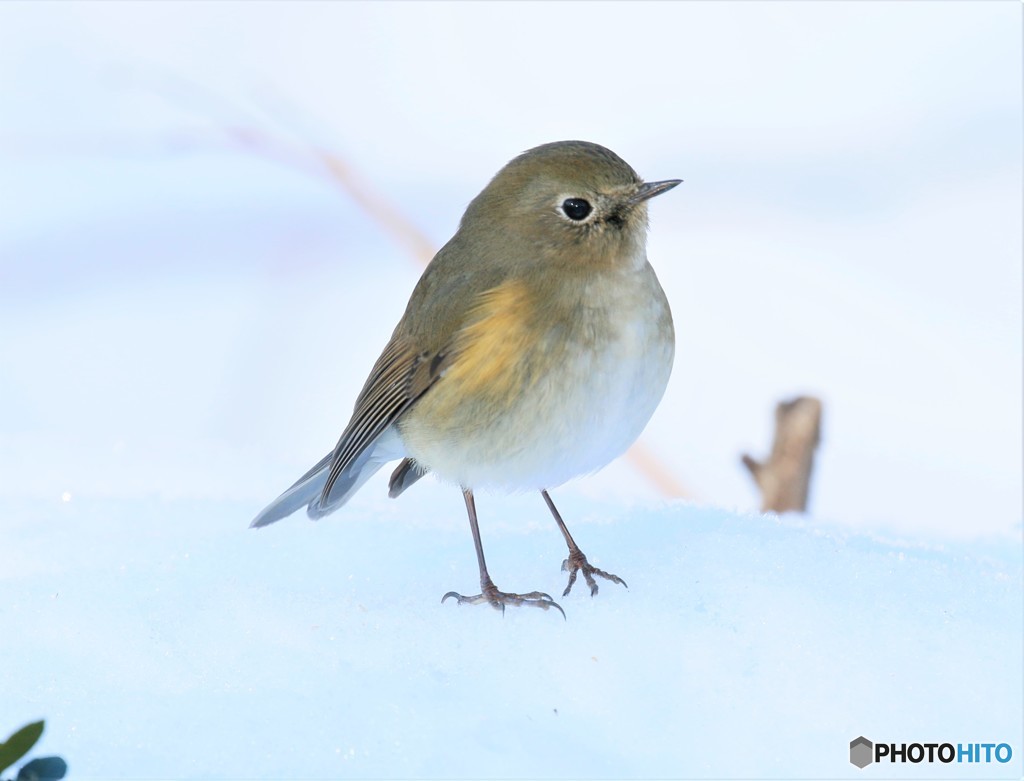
column 398, row 378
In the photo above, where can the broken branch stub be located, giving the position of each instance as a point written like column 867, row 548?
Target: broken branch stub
column 785, row 478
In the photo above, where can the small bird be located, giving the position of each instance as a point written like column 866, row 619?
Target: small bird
column 534, row 349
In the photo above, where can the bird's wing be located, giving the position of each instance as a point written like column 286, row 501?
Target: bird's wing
column 399, row 377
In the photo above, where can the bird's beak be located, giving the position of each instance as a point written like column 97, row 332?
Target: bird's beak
column 650, row 189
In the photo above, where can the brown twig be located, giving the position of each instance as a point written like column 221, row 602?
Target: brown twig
column 785, row 478
column 381, row 210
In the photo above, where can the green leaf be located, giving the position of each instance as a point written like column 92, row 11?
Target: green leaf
column 19, row 744
column 43, row 769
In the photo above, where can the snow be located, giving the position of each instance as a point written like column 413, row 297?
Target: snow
column 184, row 324
column 164, row 639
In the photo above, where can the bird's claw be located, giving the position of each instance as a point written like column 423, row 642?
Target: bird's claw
column 498, row 599
column 577, row 563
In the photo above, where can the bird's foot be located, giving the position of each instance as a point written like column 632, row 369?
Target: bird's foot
column 498, row 599
column 577, row 563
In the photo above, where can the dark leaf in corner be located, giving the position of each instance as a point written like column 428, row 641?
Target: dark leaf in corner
column 43, row 769
column 19, row 743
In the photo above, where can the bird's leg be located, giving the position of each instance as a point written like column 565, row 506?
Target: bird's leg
column 488, row 591
column 577, row 562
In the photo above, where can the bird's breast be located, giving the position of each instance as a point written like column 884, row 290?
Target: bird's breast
column 545, row 387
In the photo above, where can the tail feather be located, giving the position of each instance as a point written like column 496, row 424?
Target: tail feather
column 348, row 482
column 407, row 473
column 299, row 495
column 307, row 491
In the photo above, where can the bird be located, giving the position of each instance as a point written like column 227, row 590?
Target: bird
column 534, row 349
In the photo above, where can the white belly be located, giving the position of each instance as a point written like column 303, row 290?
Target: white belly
column 577, row 417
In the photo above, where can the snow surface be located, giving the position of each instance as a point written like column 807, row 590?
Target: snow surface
column 166, row 640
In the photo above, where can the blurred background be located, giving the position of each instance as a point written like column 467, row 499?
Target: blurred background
column 195, row 276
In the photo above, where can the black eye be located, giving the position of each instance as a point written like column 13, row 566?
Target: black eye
column 576, row 208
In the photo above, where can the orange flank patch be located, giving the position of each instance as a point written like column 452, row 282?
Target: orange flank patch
column 491, row 348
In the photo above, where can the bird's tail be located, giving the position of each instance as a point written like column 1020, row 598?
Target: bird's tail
column 307, row 491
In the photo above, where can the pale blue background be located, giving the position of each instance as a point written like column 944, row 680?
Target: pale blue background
column 850, row 226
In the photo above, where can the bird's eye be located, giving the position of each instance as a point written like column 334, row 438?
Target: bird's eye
column 576, row 208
